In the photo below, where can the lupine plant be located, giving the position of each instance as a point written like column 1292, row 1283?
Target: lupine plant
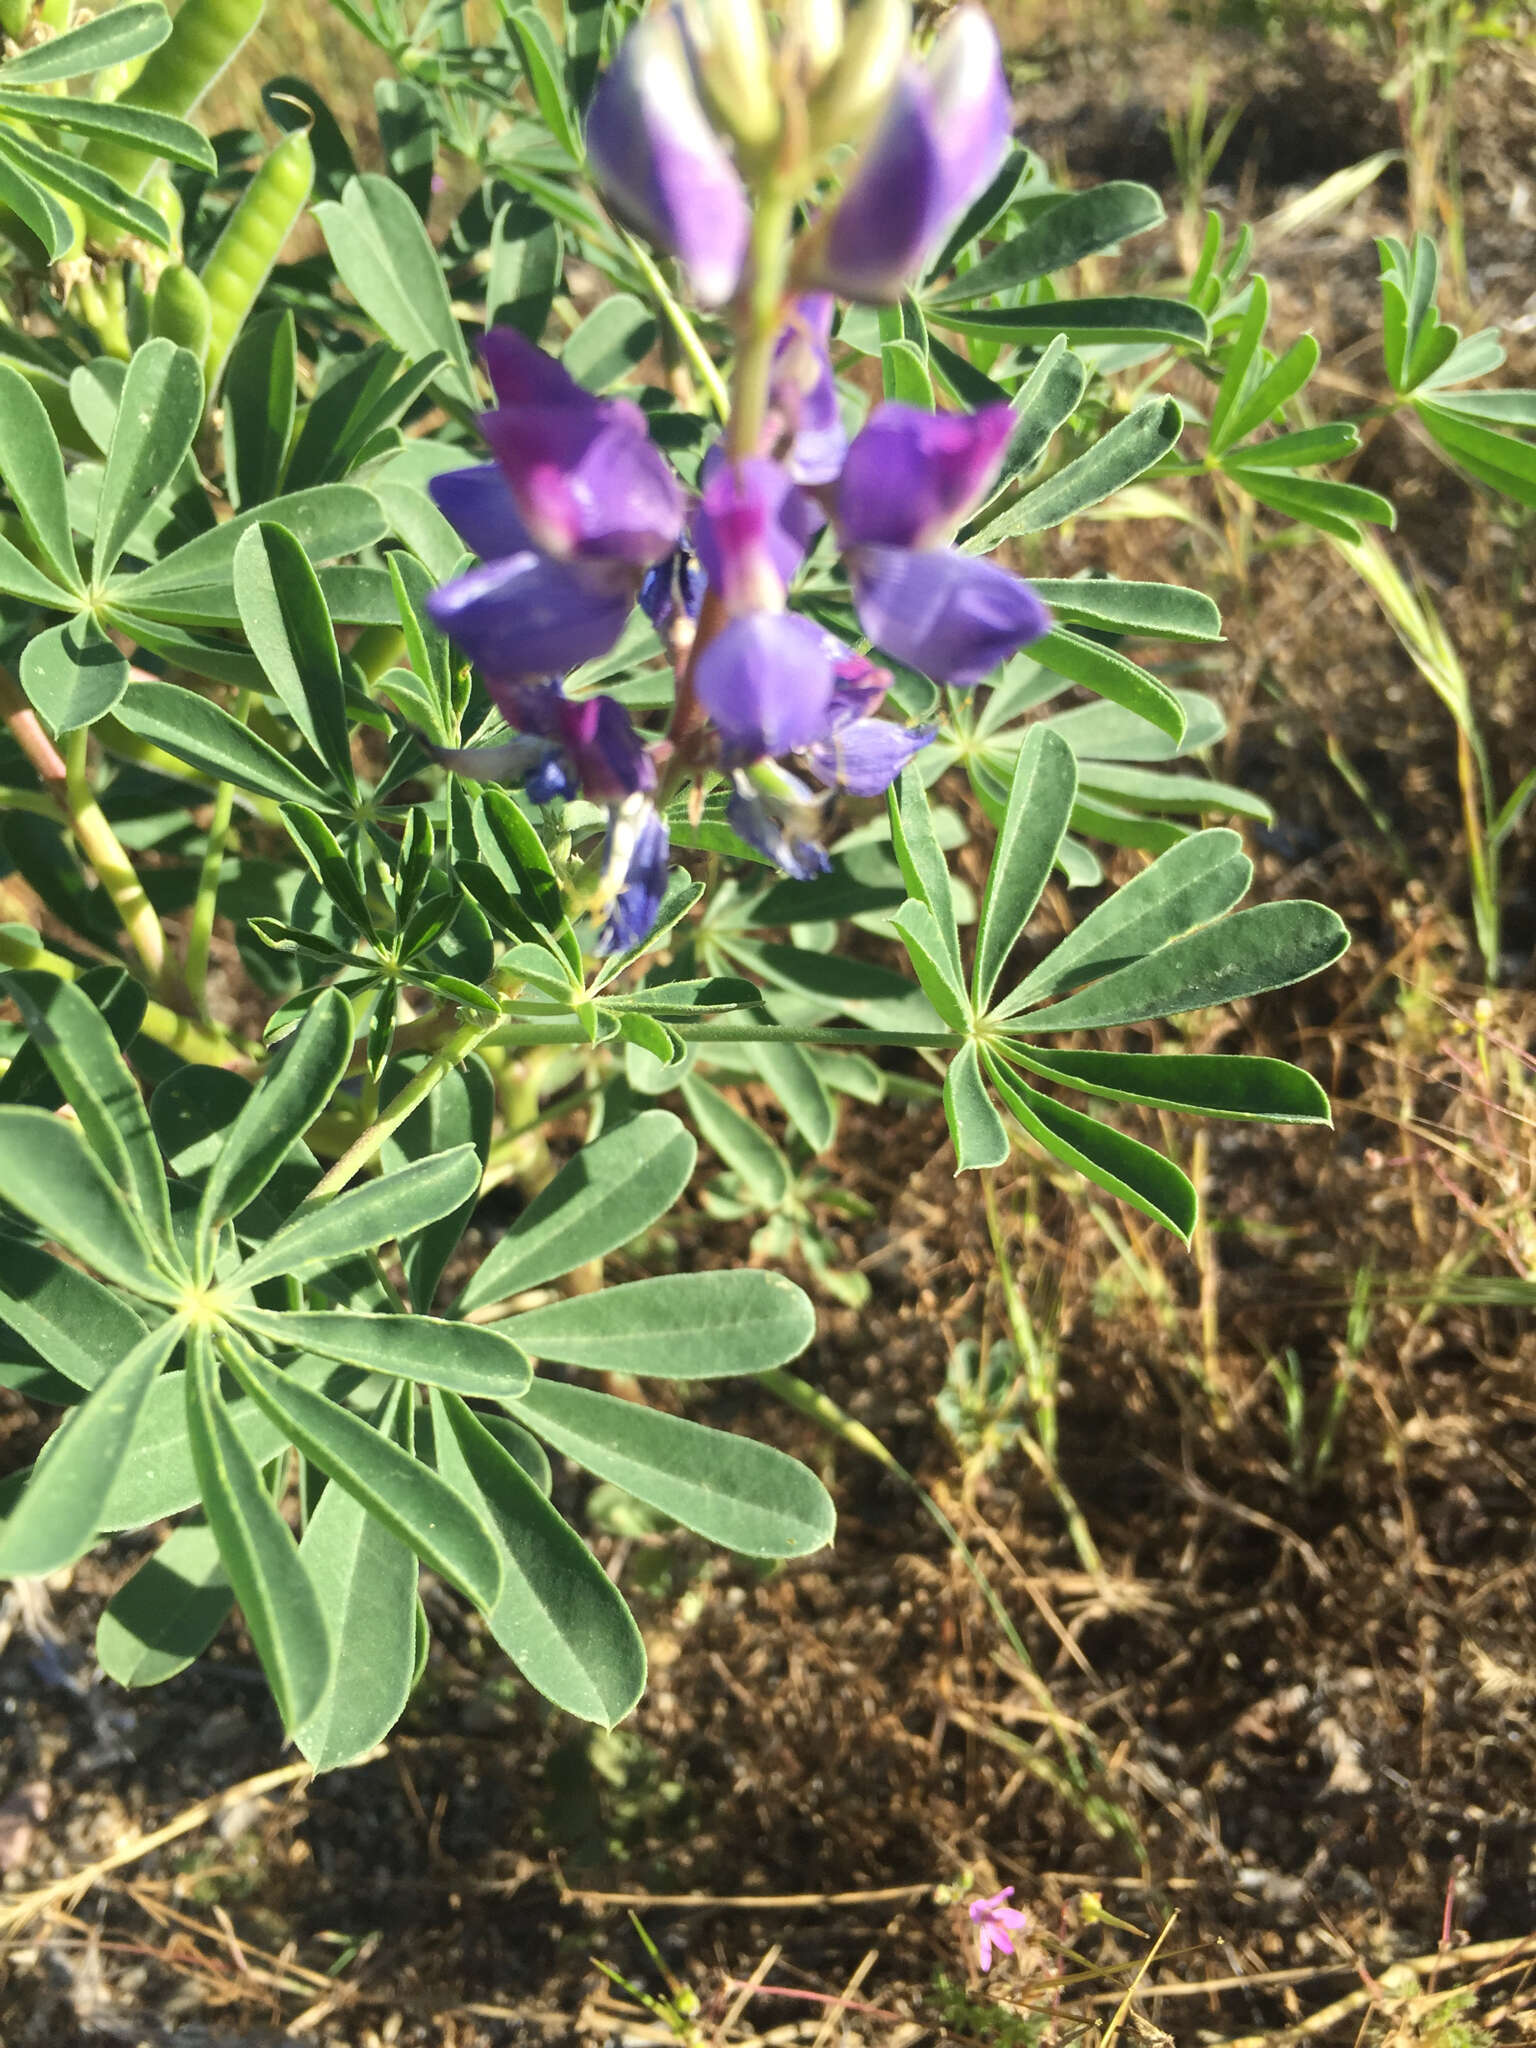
column 532, row 658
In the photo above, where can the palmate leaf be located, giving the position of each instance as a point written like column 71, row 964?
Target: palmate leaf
column 329, row 521
column 1252, row 951
column 602, row 1198
column 410, row 1501
column 1039, row 804
column 386, row 261
column 459, row 1111
column 168, row 1612
column 1165, row 611
column 36, row 209
column 112, row 38
column 742, row 1144
column 159, row 1477
column 73, row 674
column 193, row 729
column 679, row 1326
column 791, row 1074
column 79, row 1327
column 1077, row 225
column 979, row 1135
column 159, row 134
column 1083, row 322
column 1199, row 1084
column 32, row 467
column 1123, row 454
column 56, row 1518
column 288, row 626
column 277, row 1598
column 922, row 935
column 559, row 1618
column 1194, row 882
column 741, row 1494
column 160, row 410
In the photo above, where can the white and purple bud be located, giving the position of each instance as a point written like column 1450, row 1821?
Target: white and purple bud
column 873, row 46
column 814, row 30
column 942, row 137
column 733, row 65
column 661, row 165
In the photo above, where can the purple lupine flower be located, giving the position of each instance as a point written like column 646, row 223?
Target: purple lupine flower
column 776, row 683
column 523, row 614
column 766, row 680
column 775, row 812
column 674, row 589
column 943, row 613
column 566, row 746
column 584, row 746
column 587, row 480
column 634, row 873
column 660, row 163
column 909, row 477
column 940, row 142
column 995, row 1924
column 860, row 753
column 804, row 424
column 751, row 530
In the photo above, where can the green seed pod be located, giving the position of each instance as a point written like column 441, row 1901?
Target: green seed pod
column 181, row 311
column 252, row 240
column 203, row 38
column 163, row 196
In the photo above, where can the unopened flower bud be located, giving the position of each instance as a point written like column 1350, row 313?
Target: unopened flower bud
column 661, row 165
column 875, row 40
column 728, row 41
column 815, row 29
column 940, row 140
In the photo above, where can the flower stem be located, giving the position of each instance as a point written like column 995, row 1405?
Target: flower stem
column 368, row 1144
column 115, row 871
column 205, row 908
column 699, row 358
column 202, row 1046
column 761, row 317
column 65, row 782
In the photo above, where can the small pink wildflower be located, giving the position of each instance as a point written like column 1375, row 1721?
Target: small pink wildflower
column 995, row 1925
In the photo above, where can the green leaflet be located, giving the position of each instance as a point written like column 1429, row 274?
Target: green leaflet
column 674, row 1326
column 738, row 1493
column 559, row 1617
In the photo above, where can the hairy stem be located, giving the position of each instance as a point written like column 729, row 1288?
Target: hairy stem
column 202, row 1045
column 205, row 908
column 115, row 871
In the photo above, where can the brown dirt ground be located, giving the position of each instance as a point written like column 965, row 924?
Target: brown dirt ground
column 1295, row 1712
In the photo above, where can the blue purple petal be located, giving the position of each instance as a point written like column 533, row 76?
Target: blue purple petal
column 912, row 476
column 865, row 757
column 766, row 681
column 945, row 614
column 526, row 615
